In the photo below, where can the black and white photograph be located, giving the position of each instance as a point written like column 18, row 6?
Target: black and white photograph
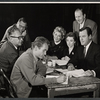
column 50, row 50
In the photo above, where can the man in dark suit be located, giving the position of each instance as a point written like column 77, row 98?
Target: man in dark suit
column 87, row 56
column 9, row 50
column 22, row 26
column 81, row 21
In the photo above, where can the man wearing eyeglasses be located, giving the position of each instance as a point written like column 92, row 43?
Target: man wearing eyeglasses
column 9, row 50
column 22, row 26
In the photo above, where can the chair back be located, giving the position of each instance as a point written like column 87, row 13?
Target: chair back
column 9, row 86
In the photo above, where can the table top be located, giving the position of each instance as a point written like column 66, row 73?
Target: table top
column 76, row 81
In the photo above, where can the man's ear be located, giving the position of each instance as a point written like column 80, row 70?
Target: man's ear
column 36, row 48
column 90, row 36
column 9, row 38
column 84, row 16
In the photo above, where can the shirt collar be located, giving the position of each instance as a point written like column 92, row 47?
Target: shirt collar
column 57, row 42
column 15, row 47
column 88, row 46
column 82, row 24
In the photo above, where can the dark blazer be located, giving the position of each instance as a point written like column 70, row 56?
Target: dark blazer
column 57, row 50
column 89, row 23
column 26, row 42
column 91, row 61
column 66, row 52
column 8, row 56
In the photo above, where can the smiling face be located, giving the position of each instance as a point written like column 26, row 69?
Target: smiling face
column 16, row 38
column 21, row 26
column 70, row 42
column 57, row 36
column 79, row 16
column 84, row 38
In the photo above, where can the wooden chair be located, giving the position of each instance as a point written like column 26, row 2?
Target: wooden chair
column 8, row 86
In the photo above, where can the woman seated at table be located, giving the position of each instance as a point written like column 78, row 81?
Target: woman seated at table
column 69, row 52
column 57, row 45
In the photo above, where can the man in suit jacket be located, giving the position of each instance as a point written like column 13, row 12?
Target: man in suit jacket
column 81, row 21
column 9, row 52
column 26, row 74
column 22, row 26
column 87, row 56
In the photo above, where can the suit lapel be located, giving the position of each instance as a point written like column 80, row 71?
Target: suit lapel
column 13, row 46
column 89, row 49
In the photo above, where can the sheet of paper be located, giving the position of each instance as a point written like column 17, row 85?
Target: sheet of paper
column 53, row 76
column 64, row 71
column 49, row 70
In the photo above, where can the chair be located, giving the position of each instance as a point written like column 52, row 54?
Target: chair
column 8, row 86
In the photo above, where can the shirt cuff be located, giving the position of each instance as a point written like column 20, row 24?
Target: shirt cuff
column 94, row 73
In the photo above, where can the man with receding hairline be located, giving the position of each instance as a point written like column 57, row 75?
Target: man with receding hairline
column 81, row 21
column 9, row 50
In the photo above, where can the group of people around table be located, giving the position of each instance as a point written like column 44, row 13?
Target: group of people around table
column 27, row 72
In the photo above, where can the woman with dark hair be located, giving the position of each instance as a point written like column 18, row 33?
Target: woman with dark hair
column 71, row 43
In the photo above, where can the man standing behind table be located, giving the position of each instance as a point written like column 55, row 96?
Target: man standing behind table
column 25, row 73
column 9, row 50
column 22, row 26
column 81, row 21
column 87, row 56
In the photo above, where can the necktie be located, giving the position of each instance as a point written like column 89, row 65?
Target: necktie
column 84, row 52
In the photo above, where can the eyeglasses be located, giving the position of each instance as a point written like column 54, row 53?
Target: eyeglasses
column 19, row 37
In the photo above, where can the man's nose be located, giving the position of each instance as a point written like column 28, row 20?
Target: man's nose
column 21, row 39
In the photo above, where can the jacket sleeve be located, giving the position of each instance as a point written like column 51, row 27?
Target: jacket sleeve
column 94, row 33
column 97, row 61
column 28, row 71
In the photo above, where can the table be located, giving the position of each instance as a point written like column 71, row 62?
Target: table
column 75, row 85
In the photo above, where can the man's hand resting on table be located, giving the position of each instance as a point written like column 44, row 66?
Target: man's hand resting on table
column 61, row 79
column 89, row 73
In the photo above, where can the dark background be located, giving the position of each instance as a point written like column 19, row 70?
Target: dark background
column 43, row 18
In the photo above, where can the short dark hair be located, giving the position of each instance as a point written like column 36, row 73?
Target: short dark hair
column 39, row 41
column 71, row 34
column 88, row 29
column 12, row 30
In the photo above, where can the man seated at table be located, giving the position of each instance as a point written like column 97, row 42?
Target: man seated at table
column 25, row 74
column 22, row 26
column 9, row 52
column 87, row 56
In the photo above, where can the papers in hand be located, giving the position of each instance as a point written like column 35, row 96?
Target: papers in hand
column 74, row 73
column 49, row 70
